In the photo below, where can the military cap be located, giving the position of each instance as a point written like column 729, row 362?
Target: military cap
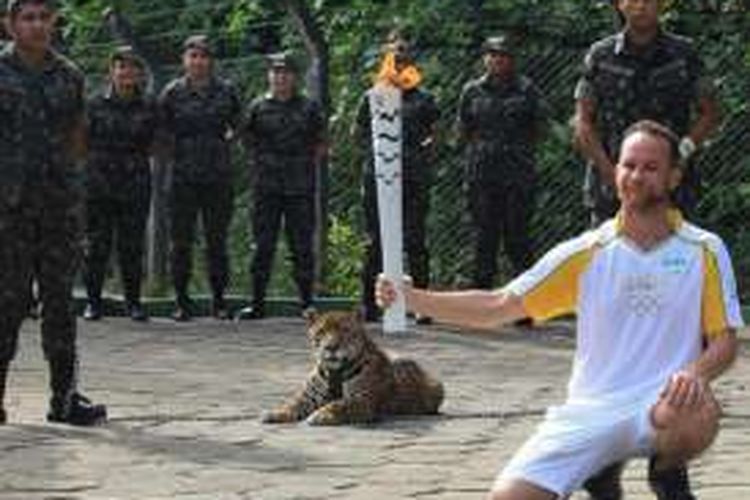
column 500, row 44
column 15, row 5
column 282, row 60
column 126, row 53
column 199, row 42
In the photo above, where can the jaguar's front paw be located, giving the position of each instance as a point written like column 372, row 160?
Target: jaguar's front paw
column 276, row 417
column 324, row 416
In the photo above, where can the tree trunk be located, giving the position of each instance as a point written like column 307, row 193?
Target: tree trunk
column 317, row 87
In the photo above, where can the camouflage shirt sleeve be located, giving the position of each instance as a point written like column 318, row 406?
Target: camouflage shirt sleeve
column 78, row 134
column 80, row 93
column 465, row 122
column 361, row 126
column 165, row 111
column 235, row 118
column 10, row 164
column 585, row 86
column 317, row 123
column 704, row 84
column 542, row 109
column 247, row 124
column 432, row 111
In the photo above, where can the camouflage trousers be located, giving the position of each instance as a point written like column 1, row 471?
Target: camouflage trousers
column 297, row 213
column 500, row 213
column 213, row 203
column 40, row 238
column 124, row 221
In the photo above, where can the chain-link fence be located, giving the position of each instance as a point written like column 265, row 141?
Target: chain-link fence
column 550, row 53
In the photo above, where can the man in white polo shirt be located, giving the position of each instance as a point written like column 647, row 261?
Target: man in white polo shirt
column 657, row 311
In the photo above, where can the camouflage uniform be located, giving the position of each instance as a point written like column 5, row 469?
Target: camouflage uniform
column 419, row 115
column 121, row 133
column 660, row 83
column 200, row 121
column 281, row 137
column 40, row 207
column 499, row 119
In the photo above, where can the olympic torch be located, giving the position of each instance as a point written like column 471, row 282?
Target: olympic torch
column 386, row 126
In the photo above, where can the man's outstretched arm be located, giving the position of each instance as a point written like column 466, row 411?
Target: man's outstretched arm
column 470, row 308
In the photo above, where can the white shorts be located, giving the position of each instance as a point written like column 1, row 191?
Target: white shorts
column 574, row 442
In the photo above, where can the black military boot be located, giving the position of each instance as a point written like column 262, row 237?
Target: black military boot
column 76, row 409
column 136, row 312
column 605, row 484
column 219, row 308
column 184, row 309
column 308, row 309
column 255, row 311
column 669, row 484
column 67, row 405
column 306, row 303
column 93, row 311
column 133, row 306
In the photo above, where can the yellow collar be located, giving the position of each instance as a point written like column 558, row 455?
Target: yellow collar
column 674, row 219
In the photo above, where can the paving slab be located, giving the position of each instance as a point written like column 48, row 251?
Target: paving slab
column 185, row 401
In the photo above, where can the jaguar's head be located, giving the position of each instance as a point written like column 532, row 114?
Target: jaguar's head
column 337, row 338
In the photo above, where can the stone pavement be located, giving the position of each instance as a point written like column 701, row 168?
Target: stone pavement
column 185, row 399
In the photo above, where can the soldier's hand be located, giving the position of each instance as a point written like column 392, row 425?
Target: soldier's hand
column 386, row 291
column 427, row 142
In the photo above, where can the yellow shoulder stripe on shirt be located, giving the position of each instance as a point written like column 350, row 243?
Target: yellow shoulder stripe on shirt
column 557, row 294
column 713, row 310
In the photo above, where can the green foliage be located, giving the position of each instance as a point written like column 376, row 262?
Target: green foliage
column 344, row 259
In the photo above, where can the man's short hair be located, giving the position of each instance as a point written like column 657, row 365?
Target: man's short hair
column 656, row 129
column 14, row 6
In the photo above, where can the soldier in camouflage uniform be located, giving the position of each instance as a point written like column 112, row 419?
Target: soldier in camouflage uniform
column 283, row 133
column 642, row 72
column 499, row 119
column 419, row 114
column 122, row 125
column 200, row 113
column 41, row 139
